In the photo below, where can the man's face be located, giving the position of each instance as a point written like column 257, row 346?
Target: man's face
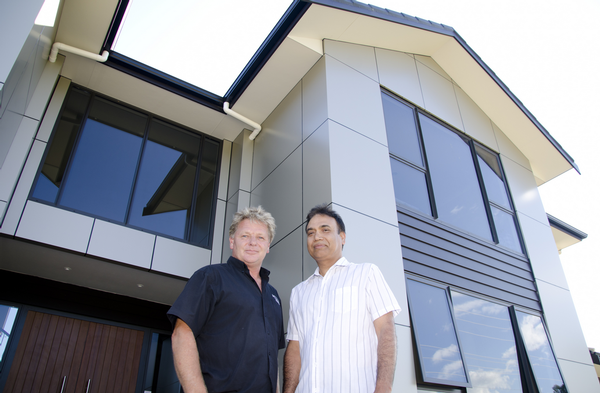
column 250, row 243
column 323, row 239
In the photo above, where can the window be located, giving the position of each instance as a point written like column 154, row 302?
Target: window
column 463, row 340
column 125, row 166
column 8, row 316
column 447, row 175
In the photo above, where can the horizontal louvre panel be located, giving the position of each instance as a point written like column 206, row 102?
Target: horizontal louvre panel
column 444, row 254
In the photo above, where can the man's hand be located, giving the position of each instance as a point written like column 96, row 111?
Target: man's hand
column 186, row 359
column 386, row 352
column 291, row 367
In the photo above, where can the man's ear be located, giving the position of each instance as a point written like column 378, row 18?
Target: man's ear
column 231, row 243
column 343, row 235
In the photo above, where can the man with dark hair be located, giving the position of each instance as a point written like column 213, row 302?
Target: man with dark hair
column 228, row 323
column 341, row 334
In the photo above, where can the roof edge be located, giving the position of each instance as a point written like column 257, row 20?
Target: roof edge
column 566, row 228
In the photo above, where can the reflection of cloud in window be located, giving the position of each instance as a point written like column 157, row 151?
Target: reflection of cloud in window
column 509, row 353
column 443, row 354
column 456, row 209
column 478, row 306
column 454, row 368
column 489, row 381
column 533, row 333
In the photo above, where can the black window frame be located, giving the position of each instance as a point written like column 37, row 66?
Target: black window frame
column 527, row 374
column 188, row 236
column 473, row 145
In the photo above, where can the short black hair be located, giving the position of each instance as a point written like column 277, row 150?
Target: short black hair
column 326, row 210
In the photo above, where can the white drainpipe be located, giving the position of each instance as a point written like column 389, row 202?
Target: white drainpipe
column 68, row 48
column 244, row 119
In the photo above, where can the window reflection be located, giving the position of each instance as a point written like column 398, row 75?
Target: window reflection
column 437, row 343
column 454, row 179
column 8, row 315
column 541, row 358
column 487, row 338
column 402, row 134
column 128, row 167
column 410, row 186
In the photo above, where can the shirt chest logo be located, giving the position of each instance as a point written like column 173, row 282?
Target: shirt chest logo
column 277, row 300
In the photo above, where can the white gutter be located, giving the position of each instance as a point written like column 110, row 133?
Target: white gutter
column 244, row 119
column 68, row 48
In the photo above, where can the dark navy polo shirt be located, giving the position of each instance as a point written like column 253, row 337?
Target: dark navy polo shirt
column 238, row 328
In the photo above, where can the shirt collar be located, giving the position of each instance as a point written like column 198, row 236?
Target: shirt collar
column 241, row 266
column 342, row 262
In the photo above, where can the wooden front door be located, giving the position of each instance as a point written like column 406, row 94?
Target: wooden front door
column 64, row 355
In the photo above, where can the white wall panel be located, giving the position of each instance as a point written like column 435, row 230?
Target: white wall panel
column 220, row 232
column 354, row 100
column 314, row 99
column 398, row 72
column 9, row 125
column 361, row 176
column 567, row 338
column 51, row 114
column 19, row 197
column 316, row 169
column 579, row 377
column 16, row 157
column 359, row 57
column 433, row 65
column 56, row 227
column 281, row 134
column 404, row 379
column 224, row 172
column 524, row 191
column 508, row 149
column 281, row 194
column 177, row 258
column 476, row 123
column 369, row 240
column 285, row 264
column 542, row 252
column 122, row 244
column 439, row 96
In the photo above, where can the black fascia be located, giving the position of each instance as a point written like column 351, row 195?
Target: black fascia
column 164, row 81
column 566, row 228
column 404, row 19
column 281, row 30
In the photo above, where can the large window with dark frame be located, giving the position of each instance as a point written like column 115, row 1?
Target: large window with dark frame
column 444, row 174
column 120, row 164
column 466, row 341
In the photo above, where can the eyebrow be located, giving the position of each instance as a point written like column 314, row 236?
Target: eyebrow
column 322, row 226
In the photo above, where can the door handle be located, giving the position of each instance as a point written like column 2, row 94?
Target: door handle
column 88, row 385
column 63, row 384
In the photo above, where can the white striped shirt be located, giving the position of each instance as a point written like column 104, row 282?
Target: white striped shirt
column 332, row 319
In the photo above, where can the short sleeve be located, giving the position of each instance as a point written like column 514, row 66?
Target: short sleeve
column 380, row 298
column 196, row 302
column 292, row 331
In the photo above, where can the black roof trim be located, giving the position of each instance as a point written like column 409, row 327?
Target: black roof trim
column 266, row 50
column 401, row 18
column 164, row 81
column 566, row 228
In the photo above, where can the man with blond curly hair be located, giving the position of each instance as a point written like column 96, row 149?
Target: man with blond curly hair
column 228, row 324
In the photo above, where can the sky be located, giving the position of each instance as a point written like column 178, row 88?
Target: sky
column 545, row 51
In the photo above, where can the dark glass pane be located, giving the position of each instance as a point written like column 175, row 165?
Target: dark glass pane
column 456, row 189
column 492, row 177
column 165, row 183
column 437, row 343
column 102, row 171
column 488, row 341
column 540, row 355
column 53, row 170
column 205, row 191
column 506, row 229
column 402, row 136
column 410, row 186
column 8, row 316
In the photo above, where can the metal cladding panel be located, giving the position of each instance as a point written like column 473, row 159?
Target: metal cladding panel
column 446, row 255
